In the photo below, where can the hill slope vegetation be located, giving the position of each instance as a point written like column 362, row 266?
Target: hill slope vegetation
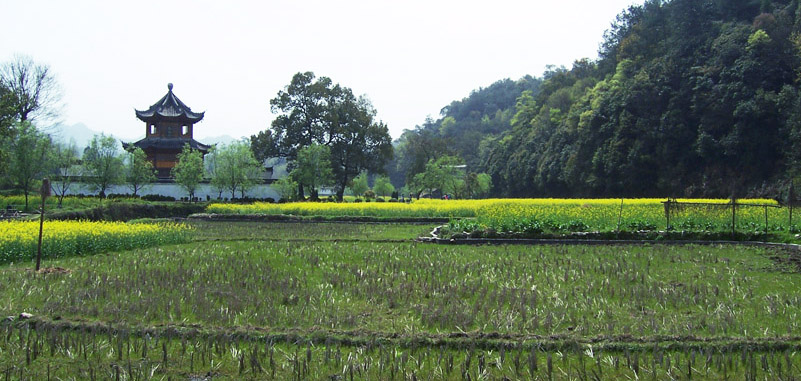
column 687, row 98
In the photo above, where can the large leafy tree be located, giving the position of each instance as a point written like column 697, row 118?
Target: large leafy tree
column 235, row 168
column 474, row 185
column 8, row 112
column 64, row 162
column 313, row 168
column 383, row 186
column 139, row 172
column 28, row 153
column 210, row 163
column 7, row 118
column 102, row 163
column 286, row 188
column 358, row 185
column 188, row 171
column 442, row 174
column 35, row 91
column 302, row 108
column 314, row 110
column 358, row 142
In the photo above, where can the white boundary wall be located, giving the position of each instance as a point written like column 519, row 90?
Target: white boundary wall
column 203, row 191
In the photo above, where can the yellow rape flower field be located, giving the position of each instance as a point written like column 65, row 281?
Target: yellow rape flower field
column 18, row 239
column 552, row 215
column 419, row 208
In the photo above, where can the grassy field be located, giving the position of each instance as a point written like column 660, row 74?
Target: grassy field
column 335, row 301
column 51, row 203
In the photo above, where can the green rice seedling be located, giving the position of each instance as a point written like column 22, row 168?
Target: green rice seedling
column 247, row 307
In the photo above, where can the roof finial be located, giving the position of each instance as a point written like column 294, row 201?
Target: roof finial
column 169, row 86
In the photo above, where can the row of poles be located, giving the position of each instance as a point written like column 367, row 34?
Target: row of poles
column 733, row 204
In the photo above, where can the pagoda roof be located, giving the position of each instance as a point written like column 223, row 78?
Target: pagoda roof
column 169, row 108
column 172, row 144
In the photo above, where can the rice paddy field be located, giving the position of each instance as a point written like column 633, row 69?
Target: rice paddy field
column 332, row 301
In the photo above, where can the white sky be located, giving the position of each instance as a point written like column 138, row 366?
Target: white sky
column 229, row 58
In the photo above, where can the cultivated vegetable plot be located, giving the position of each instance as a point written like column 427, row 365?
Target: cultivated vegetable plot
column 542, row 216
column 535, row 217
column 18, row 239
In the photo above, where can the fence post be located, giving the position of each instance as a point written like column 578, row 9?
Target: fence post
column 790, row 202
column 733, row 216
column 667, row 214
column 766, row 221
column 44, row 192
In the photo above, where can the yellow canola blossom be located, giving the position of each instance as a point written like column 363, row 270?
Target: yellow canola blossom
column 559, row 214
column 443, row 208
column 420, row 208
column 18, row 239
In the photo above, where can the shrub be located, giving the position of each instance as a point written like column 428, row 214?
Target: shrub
column 369, row 194
column 120, row 195
column 157, row 197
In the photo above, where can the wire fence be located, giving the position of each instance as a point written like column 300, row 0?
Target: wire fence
column 739, row 216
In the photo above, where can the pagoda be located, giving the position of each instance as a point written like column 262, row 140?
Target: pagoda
column 168, row 127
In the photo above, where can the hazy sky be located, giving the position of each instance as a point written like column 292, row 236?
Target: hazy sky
column 229, row 58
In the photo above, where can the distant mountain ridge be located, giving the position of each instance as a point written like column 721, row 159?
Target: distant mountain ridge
column 81, row 134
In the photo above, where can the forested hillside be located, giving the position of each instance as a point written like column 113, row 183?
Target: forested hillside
column 687, row 97
column 487, row 112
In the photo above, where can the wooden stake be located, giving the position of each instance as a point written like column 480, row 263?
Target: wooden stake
column 790, row 202
column 733, row 215
column 45, row 191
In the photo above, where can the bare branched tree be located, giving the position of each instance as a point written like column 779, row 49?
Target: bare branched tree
column 37, row 95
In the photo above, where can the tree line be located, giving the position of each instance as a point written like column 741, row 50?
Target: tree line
column 29, row 96
column 329, row 135
column 33, row 155
column 331, row 140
